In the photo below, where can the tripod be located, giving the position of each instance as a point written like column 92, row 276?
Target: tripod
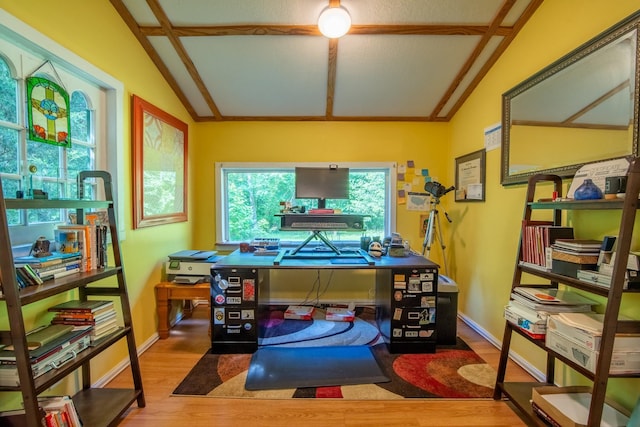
column 433, row 225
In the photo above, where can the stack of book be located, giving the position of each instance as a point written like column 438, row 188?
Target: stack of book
column 41, row 269
column 59, row 411
column 530, row 307
column 537, row 238
column 49, row 347
column 99, row 315
column 570, row 255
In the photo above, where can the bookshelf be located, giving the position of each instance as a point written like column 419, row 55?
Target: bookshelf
column 96, row 406
column 520, row 393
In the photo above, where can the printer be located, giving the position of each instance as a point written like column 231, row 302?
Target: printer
column 190, row 266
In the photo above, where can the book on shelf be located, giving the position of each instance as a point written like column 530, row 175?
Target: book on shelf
column 580, row 245
column 50, row 348
column 553, row 296
column 537, row 238
column 84, row 242
column 40, row 262
column 81, row 319
column 59, row 411
column 88, row 306
column 27, row 278
column 64, row 270
column 549, row 308
column 43, row 335
column 574, row 257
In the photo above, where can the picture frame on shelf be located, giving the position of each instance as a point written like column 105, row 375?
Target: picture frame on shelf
column 471, row 177
column 159, row 158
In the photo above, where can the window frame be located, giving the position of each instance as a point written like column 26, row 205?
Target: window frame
column 222, row 229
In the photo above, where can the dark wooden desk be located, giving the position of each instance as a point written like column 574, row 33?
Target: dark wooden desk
column 169, row 291
column 406, row 296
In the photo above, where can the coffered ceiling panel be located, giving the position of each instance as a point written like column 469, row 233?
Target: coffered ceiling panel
column 411, row 60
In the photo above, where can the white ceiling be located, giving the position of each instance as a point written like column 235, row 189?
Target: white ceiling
column 265, row 60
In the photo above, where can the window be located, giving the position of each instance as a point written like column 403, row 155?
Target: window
column 97, row 110
column 27, row 165
column 250, row 196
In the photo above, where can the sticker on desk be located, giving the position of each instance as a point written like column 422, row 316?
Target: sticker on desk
column 397, row 295
column 234, row 300
column 424, row 317
column 248, row 314
column 414, row 285
column 397, row 333
column 249, row 289
column 397, row 314
column 426, row 276
column 398, row 278
column 427, row 286
column 218, row 316
column 426, row 334
column 219, row 299
column 399, row 285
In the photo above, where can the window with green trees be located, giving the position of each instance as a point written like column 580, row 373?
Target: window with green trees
column 250, row 197
column 26, row 165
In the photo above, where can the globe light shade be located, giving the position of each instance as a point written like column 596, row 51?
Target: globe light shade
column 334, row 22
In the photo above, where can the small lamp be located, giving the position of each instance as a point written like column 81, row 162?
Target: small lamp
column 334, row 22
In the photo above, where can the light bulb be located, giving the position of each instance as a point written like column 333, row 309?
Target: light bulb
column 334, row 22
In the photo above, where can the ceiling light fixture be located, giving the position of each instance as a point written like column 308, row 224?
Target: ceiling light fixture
column 334, row 22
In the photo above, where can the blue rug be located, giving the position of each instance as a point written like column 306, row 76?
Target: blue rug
column 274, row 368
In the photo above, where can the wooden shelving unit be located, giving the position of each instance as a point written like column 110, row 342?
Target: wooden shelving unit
column 520, row 393
column 97, row 407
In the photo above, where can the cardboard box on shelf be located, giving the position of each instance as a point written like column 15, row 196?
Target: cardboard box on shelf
column 586, row 329
column 621, row 361
column 569, row 406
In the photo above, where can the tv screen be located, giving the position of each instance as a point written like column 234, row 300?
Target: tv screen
column 322, row 183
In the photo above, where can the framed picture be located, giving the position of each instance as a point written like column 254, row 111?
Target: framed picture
column 470, row 177
column 159, row 166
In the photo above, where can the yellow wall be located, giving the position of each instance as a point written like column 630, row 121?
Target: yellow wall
column 425, row 143
column 484, row 245
column 94, row 31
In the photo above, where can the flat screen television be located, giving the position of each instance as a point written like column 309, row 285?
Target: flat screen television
column 322, row 183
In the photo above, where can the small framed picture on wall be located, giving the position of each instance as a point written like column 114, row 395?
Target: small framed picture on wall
column 470, row 177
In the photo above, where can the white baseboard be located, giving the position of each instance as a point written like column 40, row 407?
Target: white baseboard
column 124, row 363
column 519, row 360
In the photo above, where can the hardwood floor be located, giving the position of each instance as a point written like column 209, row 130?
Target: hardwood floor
column 168, row 361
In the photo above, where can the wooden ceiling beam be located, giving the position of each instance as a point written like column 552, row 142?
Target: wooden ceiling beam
column 312, row 30
column 162, row 17
column 155, row 58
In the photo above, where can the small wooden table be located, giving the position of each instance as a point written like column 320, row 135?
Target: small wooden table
column 168, row 291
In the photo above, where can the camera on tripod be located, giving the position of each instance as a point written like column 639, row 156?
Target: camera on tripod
column 436, row 189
